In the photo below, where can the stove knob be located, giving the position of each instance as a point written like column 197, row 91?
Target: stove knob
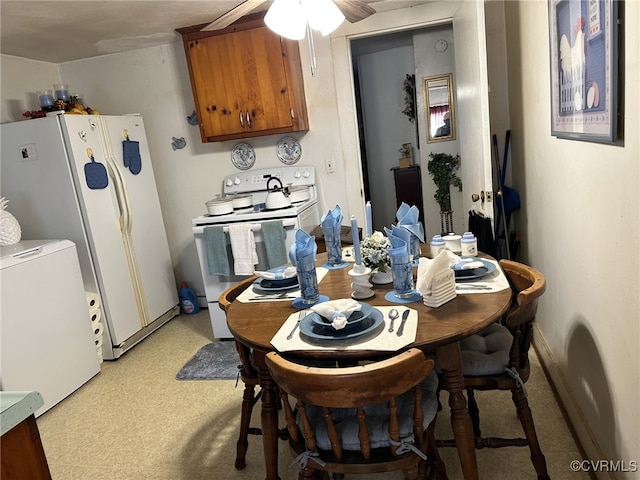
column 306, row 174
column 296, row 174
column 237, row 181
column 229, row 182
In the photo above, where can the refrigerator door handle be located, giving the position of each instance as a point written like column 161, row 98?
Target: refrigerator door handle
column 121, row 195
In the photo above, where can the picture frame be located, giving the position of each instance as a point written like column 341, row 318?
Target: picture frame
column 583, row 43
column 440, row 114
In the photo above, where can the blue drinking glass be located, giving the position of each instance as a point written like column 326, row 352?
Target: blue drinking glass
column 415, row 247
column 334, row 251
column 401, row 269
column 308, row 280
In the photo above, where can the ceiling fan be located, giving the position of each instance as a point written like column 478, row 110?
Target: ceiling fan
column 353, row 11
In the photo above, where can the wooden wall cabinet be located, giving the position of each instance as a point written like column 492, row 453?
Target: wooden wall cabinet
column 246, row 81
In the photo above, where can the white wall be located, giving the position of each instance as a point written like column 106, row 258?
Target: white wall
column 20, row 79
column 580, row 226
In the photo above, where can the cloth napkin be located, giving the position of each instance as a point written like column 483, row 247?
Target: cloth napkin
column 243, row 248
column 278, row 274
column 399, row 242
column 330, row 224
column 468, row 264
column 338, row 311
column 408, row 219
column 429, row 269
column 303, row 249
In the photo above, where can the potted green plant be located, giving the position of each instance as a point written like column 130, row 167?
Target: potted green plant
column 442, row 169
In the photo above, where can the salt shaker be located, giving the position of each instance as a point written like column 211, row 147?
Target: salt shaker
column 469, row 245
column 437, row 245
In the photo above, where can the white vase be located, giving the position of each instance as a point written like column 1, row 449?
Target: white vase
column 381, row 278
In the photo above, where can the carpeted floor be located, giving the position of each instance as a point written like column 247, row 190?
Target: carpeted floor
column 136, row 421
column 214, row 361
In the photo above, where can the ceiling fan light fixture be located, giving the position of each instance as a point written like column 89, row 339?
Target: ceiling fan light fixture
column 287, row 18
column 323, row 15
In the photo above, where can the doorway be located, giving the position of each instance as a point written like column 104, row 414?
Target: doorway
column 381, row 64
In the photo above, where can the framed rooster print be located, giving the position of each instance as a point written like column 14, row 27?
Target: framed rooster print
column 583, row 41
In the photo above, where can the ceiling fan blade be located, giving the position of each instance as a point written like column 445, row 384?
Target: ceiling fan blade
column 234, row 14
column 354, row 10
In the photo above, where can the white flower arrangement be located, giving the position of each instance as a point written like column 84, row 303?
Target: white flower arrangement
column 375, row 252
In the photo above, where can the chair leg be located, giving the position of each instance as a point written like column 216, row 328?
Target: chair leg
column 526, row 420
column 433, row 468
column 474, row 412
column 411, row 472
column 307, row 473
column 248, row 401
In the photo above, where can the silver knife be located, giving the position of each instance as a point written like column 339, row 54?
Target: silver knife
column 405, row 315
column 265, row 298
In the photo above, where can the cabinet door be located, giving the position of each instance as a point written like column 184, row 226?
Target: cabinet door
column 241, row 83
column 263, row 90
column 215, row 77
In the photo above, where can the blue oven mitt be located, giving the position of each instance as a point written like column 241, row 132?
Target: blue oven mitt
column 131, row 155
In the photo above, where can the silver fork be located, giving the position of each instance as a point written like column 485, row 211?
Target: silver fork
column 301, row 315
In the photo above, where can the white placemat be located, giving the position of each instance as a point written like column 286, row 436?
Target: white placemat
column 250, row 295
column 494, row 282
column 384, row 341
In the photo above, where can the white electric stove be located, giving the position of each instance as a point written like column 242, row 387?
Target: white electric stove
column 303, row 214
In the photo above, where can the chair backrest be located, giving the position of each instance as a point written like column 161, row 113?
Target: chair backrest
column 230, row 294
column 224, row 301
column 528, row 285
column 351, row 388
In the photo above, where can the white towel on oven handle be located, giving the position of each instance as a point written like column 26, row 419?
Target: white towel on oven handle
column 243, row 248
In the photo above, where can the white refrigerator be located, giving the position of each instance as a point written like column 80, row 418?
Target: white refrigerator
column 47, row 342
column 90, row 179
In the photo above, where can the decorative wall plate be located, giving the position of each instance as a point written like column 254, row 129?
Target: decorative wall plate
column 243, row 156
column 289, row 150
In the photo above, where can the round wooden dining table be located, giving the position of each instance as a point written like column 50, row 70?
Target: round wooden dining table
column 439, row 331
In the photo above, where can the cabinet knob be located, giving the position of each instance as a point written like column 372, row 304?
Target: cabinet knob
column 241, row 120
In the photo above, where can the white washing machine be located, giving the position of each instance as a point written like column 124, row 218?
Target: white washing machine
column 47, row 343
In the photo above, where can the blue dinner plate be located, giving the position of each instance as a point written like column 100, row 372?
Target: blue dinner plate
column 353, row 323
column 317, row 333
column 262, row 285
column 474, row 273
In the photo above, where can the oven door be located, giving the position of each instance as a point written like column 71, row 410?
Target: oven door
column 214, row 285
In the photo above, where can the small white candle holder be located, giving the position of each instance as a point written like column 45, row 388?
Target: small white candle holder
column 360, row 282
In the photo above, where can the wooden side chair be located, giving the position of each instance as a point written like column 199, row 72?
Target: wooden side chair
column 361, row 419
column 249, row 376
column 497, row 358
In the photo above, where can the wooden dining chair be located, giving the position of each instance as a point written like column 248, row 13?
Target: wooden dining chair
column 497, row 358
column 363, row 419
column 248, row 373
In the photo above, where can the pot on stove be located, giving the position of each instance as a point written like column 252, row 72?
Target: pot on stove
column 299, row 194
column 278, row 197
column 242, row 201
column 219, row 206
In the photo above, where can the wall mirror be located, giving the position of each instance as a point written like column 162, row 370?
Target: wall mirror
column 440, row 114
